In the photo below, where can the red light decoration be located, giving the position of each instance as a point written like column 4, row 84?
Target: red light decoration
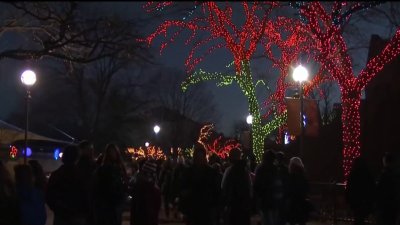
column 159, row 6
column 295, row 44
column 241, row 42
column 217, row 30
column 205, row 133
column 326, row 31
column 219, row 145
column 13, row 152
column 222, row 148
column 150, row 152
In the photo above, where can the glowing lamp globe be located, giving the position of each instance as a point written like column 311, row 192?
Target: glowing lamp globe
column 28, row 151
column 156, row 129
column 300, row 74
column 146, row 144
column 56, row 154
column 28, row 78
column 249, row 119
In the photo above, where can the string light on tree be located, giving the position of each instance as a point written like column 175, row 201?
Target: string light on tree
column 326, row 28
column 222, row 147
column 217, row 30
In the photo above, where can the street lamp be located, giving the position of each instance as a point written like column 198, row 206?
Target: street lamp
column 156, row 129
column 300, row 74
column 146, row 144
column 249, row 119
column 28, row 78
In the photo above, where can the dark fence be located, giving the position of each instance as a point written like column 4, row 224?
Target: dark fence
column 330, row 204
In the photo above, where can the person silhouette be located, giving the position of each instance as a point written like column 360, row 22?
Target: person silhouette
column 388, row 196
column 360, row 191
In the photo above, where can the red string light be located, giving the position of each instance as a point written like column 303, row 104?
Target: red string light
column 218, row 30
column 334, row 58
column 13, row 152
column 241, row 42
column 259, row 28
column 222, row 147
column 205, row 133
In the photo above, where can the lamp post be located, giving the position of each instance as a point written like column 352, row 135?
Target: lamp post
column 247, row 135
column 28, row 78
column 300, row 74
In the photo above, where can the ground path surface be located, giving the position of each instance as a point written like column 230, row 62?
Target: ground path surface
column 164, row 221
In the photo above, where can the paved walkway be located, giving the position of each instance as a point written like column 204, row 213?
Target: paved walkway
column 164, row 221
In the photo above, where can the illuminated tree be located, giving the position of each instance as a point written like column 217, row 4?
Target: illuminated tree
column 327, row 29
column 297, row 43
column 216, row 144
column 257, row 29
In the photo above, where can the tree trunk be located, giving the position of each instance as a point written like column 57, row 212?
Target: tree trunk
column 351, row 129
column 247, row 86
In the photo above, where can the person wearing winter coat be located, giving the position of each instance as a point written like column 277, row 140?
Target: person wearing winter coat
column 146, row 196
column 299, row 206
column 237, row 190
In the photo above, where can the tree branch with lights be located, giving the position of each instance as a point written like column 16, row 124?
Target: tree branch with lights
column 258, row 29
column 327, row 29
column 200, row 76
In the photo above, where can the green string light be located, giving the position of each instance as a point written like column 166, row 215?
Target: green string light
column 244, row 79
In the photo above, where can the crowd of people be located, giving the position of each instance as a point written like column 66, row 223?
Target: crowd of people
column 202, row 190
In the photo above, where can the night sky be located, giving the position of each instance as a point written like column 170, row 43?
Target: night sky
column 231, row 103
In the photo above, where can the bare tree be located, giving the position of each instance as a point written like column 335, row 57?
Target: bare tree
column 323, row 94
column 64, row 31
column 195, row 103
column 75, row 105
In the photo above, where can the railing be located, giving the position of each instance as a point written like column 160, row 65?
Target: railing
column 330, row 203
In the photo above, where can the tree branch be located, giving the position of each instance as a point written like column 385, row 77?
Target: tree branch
column 222, row 80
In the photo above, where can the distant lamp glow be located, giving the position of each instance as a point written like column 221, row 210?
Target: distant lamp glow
column 304, row 120
column 28, row 151
column 156, row 129
column 287, row 138
column 147, row 143
column 56, row 154
column 28, row 77
column 249, row 119
column 60, row 154
column 300, row 74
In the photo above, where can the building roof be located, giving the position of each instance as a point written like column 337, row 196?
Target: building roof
column 10, row 133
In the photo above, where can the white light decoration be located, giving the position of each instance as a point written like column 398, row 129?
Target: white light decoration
column 300, row 74
column 28, row 77
column 146, row 144
column 287, row 138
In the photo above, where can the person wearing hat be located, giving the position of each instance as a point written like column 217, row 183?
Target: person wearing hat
column 146, row 196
